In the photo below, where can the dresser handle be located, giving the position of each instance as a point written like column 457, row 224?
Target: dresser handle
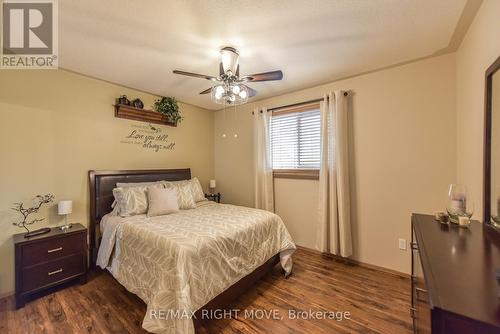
column 54, row 250
column 420, row 290
column 412, row 312
column 55, row 272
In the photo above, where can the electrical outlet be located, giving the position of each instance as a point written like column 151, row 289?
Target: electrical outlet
column 402, row 244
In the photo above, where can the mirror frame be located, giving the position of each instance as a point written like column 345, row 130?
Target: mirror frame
column 487, row 141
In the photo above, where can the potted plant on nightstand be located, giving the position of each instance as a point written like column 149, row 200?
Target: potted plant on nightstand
column 168, row 106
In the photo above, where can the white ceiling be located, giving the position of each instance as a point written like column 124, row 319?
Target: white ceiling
column 138, row 43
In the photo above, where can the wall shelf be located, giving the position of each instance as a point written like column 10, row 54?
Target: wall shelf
column 143, row 115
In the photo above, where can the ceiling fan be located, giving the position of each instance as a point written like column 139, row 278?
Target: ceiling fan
column 229, row 87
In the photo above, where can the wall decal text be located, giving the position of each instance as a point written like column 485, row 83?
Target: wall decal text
column 149, row 137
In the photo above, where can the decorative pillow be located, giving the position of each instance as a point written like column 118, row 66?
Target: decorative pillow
column 162, row 201
column 184, row 193
column 132, row 184
column 195, row 188
column 131, row 201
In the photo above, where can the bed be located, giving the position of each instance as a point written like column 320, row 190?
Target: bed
column 185, row 263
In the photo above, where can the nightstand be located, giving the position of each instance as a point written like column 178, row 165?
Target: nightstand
column 213, row 197
column 48, row 260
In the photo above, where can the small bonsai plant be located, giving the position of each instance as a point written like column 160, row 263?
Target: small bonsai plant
column 168, row 106
column 26, row 212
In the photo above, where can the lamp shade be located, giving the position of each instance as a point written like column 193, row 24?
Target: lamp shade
column 212, row 183
column 65, row 207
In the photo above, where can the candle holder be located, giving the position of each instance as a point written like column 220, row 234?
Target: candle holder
column 459, row 205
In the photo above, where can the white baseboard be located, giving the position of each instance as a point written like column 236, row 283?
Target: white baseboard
column 6, row 294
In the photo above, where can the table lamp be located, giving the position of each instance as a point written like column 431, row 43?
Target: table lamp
column 212, row 186
column 65, row 208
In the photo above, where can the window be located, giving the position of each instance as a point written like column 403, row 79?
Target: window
column 295, row 141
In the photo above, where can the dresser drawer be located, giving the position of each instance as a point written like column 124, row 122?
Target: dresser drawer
column 52, row 249
column 52, row 272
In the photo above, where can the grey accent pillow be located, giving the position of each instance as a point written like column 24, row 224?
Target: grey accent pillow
column 162, row 201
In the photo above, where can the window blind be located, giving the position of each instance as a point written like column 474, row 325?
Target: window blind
column 295, row 139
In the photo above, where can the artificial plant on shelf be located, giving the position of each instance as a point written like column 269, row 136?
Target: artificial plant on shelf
column 168, row 106
column 26, row 212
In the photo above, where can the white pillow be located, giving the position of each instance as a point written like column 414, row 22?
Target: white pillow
column 132, row 201
column 194, row 187
column 132, row 184
column 184, row 193
column 162, row 201
column 197, row 190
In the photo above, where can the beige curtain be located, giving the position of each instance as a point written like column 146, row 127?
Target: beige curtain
column 263, row 170
column 334, row 233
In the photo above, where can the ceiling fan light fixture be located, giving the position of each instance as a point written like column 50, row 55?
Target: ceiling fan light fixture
column 219, row 90
column 225, row 94
column 229, row 58
column 229, row 87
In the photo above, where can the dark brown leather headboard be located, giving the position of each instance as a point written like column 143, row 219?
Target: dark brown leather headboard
column 101, row 193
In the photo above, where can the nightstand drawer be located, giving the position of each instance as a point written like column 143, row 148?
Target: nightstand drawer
column 53, row 249
column 52, row 272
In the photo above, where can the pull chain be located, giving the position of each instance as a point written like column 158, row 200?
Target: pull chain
column 235, row 121
column 224, row 120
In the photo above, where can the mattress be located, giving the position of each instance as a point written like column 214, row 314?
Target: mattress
column 177, row 263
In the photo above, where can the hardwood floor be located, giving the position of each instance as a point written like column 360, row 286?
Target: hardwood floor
column 378, row 302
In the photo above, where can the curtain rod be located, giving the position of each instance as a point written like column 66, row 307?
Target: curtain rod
column 298, row 103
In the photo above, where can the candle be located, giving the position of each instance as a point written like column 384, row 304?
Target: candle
column 463, row 221
column 458, row 202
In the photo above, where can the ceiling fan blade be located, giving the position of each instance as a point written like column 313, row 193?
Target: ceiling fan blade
column 238, row 71
column 221, row 69
column 196, row 75
column 251, row 92
column 266, row 76
column 206, row 91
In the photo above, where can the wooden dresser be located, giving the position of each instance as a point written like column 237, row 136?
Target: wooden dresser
column 454, row 287
column 49, row 260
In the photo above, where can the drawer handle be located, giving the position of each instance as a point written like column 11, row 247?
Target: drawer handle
column 55, row 272
column 420, row 290
column 55, row 250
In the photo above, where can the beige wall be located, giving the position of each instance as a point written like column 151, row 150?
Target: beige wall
column 403, row 128
column 479, row 49
column 56, row 125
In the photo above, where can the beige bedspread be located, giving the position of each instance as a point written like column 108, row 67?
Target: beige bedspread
column 181, row 261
